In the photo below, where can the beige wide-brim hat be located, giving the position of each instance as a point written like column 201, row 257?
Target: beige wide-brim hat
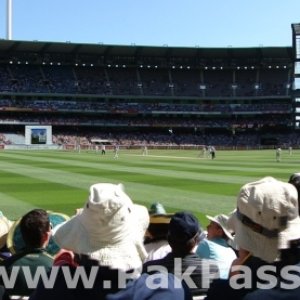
column 266, row 218
column 222, row 221
column 5, row 226
column 109, row 229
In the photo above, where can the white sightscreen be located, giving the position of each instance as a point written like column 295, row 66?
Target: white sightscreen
column 38, row 135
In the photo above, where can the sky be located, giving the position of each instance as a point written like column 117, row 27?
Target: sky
column 176, row 23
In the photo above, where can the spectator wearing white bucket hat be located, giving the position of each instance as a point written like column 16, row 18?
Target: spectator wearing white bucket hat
column 266, row 221
column 215, row 246
column 109, row 229
column 106, row 237
column 267, row 217
column 288, row 250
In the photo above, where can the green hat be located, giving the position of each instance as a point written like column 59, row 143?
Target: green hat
column 157, row 209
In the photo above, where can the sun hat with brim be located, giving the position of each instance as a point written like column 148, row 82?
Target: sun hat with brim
column 222, row 220
column 109, row 228
column 16, row 244
column 159, row 226
column 161, row 218
column 267, row 217
column 5, row 226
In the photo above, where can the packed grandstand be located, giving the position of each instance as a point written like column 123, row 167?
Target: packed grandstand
column 228, row 97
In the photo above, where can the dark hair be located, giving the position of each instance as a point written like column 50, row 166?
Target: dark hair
column 158, row 231
column 224, row 235
column 183, row 248
column 183, row 234
column 34, row 225
column 295, row 181
column 291, row 255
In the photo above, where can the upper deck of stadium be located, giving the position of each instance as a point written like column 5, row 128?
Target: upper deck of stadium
column 100, row 54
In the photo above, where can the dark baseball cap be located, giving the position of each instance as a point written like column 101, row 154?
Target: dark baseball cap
column 183, row 226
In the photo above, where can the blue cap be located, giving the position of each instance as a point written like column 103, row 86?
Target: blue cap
column 183, row 226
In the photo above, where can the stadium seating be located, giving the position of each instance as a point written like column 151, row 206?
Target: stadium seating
column 225, row 100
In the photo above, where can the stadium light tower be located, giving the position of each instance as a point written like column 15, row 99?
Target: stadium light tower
column 9, row 20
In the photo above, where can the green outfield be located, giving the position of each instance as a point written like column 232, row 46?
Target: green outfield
column 179, row 179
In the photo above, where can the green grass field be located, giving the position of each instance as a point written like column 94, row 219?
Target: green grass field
column 179, row 179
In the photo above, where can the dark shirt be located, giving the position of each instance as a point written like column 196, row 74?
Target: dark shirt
column 222, row 289
column 286, row 288
column 30, row 258
column 104, row 281
column 122, row 290
column 194, row 270
column 274, row 294
column 140, row 289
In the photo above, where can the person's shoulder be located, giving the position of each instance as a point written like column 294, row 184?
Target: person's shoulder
column 157, row 262
column 272, row 294
column 36, row 259
column 194, row 259
column 8, row 261
column 222, row 243
column 205, row 241
column 157, row 250
column 204, row 245
column 46, row 257
column 163, row 285
column 20, row 258
column 200, row 263
column 154, row 262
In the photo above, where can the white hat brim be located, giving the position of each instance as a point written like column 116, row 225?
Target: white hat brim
column 226, row 231
column 124, row 254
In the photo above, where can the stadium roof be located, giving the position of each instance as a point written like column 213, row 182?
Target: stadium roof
column 296, row 29
column 12, row 47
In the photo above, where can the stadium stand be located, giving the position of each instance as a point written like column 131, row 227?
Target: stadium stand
column 226, row 96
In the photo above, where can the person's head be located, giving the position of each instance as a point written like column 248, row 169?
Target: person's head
column 109, row 229
column 159, row 223
column 183, row 234
column 217, row 228
column 35, row 228
column 295, row 181
column 267, row 217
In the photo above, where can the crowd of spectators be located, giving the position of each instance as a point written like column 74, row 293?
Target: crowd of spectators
column 155, row 140
column 142, row 81
column 187, row 122
column 251, row 253
column 192, row 120
column 142, row 108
